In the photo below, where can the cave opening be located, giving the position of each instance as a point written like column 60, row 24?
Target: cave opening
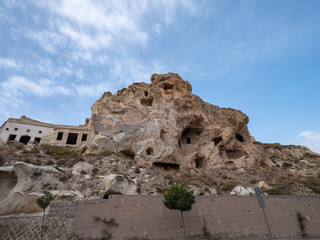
column 199, row 162
column 129, row 153
column 166, row 166
column 235, row 154
column 149, row 151
column 146, row 93
column 190, row 135
column 217, row 140
column 146, row 102
column 239, row 137
column 167, row 86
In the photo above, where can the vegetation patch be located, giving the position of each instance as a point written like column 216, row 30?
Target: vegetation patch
column 302, row 226
column 229, row 185
column 274, row 191
column 58, row 151
column 109, row 223
column 312, row 183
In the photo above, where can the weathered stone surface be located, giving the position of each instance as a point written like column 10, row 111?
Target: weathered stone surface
column 163, row 122
column 119, row 184
column 22, row 183
column 262, row 184
column 242, row 191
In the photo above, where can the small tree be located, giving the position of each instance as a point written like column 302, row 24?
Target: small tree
column 43, row 202
column 178, row 197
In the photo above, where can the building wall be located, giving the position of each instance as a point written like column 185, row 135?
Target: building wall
column 48, row 135
column 20, row 129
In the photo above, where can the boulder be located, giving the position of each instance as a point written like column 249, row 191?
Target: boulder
column 263, row 185
column 119, row 184
column 242, row 191
column 15, row 184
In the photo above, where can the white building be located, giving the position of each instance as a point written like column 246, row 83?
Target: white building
column 29, row 131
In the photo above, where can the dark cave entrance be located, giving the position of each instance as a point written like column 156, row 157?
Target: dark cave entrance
column 166, row 166
column 199, row 162
column 239, row 137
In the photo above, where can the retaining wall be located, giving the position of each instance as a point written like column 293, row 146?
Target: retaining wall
column 145, row 217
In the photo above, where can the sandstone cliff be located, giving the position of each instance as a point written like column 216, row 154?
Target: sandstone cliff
column 163, row 123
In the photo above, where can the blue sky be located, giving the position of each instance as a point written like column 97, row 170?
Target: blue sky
column 262, row 57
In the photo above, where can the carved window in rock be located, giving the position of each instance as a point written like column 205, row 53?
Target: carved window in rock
column 199, row 162
column 239, row 137
column 37, row 140
column 167, row 86
column 149, row 151
column 191, row 135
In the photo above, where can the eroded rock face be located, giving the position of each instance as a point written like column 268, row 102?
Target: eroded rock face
column 164, row 124
column 23, row 183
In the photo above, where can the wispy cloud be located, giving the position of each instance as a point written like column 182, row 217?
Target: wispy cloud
column 8, row 63
column 311, row 139
column 310, row 135
column 18, row 86
column 48, row 40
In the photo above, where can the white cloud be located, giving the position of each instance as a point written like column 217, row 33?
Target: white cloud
column 311, row 139
column 48, row 40
column 157, row 28
column 17, row 86
column 310, row 135
column 5, row 62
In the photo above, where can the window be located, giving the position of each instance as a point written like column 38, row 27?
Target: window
column 28, row 130
column 24, row 139
column 72, row 138
column 16, row 129
column 12, row 137
column 84, row 137
column 40, row 131
column 37, row 140
column 60, row 135
column 7, row 129
column 188, row 141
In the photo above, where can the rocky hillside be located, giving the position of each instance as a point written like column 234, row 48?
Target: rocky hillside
column 26, row 171
column 148, row 136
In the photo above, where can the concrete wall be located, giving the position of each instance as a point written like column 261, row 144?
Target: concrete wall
column 145, row 217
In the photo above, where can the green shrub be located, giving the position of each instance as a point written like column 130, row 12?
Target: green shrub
column 274, row 191
column 58, row 151
column 229, row 185
column 312, row 183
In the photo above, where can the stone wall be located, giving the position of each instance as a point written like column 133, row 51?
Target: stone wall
column 145, row 217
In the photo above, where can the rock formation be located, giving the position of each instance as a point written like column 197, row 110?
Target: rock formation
column 145, row 138
column 164, row 124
